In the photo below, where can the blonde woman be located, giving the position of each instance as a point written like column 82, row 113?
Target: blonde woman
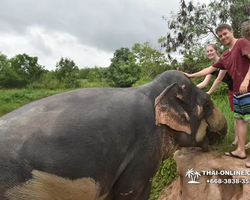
column 221, row 76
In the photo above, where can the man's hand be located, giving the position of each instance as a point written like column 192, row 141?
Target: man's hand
column 244, row 86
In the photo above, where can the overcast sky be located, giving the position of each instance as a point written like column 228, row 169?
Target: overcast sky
column 86, row 31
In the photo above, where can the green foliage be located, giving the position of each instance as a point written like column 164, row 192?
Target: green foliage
column 123, row 71
column 143, row 80
column 68, row 73
column 84, row 83
column 97, row 74
column 9, row 78
column 150, row 60
column 47, row 81
column 83, row 73
column 164, row 177
column 19, row 71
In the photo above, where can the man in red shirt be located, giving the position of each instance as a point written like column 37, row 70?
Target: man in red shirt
column 236, row 60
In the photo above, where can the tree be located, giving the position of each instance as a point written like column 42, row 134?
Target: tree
column 3, row 60
column 68, row 73
column 27, row 67
column 19, row 71
column 150, row 60
column 234, row 12
column 97, row 74
column 83, row 73
column 8, row 77
column 196, row 24
column 48, row 80
column 123, row 70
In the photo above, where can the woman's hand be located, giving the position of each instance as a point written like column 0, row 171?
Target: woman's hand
column 187, row 75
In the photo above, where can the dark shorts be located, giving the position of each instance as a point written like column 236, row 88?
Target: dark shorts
column 242, row 106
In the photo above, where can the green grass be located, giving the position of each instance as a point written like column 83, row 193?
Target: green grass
column 166, row 174
column 12, row 99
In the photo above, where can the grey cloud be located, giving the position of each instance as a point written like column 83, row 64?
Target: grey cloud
column 106, row 25
column 40, row 45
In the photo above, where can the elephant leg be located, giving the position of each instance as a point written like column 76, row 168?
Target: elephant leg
column 141, row 194
column 145, row 193
column 131, row 184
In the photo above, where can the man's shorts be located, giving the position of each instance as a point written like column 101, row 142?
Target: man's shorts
column 242, row 106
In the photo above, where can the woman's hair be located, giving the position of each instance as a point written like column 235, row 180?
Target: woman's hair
column 215, row 48
column 245, row 30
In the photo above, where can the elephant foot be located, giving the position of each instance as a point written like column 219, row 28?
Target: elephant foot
column 204, row 144
column 204, row 149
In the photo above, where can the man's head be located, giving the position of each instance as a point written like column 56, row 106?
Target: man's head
column 225, row 34
column 222, row 27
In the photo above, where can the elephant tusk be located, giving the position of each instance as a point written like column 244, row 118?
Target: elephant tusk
column 201, row 132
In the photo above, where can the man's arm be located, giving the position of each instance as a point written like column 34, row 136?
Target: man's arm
column 245, row 83
column 217, row 81
column 205, row 82
column 204, row 72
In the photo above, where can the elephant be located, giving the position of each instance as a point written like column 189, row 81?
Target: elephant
column 103, row 143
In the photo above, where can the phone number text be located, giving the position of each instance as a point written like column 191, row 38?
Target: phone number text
column 228, row 181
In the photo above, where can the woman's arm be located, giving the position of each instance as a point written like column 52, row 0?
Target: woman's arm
column 205, row 82
column 204, row 72
column 217, row 81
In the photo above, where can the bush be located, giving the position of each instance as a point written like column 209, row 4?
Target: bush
column 142, row 81
column 84, row 83
column 47, row 81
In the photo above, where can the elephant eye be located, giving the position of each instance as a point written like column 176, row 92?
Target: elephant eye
column 182, row 103
column 206, row 106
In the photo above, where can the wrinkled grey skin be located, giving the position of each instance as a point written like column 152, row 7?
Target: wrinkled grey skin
column 107, row 134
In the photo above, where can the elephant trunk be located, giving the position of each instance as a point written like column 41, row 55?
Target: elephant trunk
column 217, row 126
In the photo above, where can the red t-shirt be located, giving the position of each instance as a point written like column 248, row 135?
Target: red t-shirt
column 236, row 63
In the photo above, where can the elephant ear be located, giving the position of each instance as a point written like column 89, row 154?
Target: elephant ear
column 170, row 108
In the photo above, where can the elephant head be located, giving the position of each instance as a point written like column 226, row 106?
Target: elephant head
column 191, row 115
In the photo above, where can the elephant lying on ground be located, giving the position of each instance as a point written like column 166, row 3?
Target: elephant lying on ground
column 102, row 143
